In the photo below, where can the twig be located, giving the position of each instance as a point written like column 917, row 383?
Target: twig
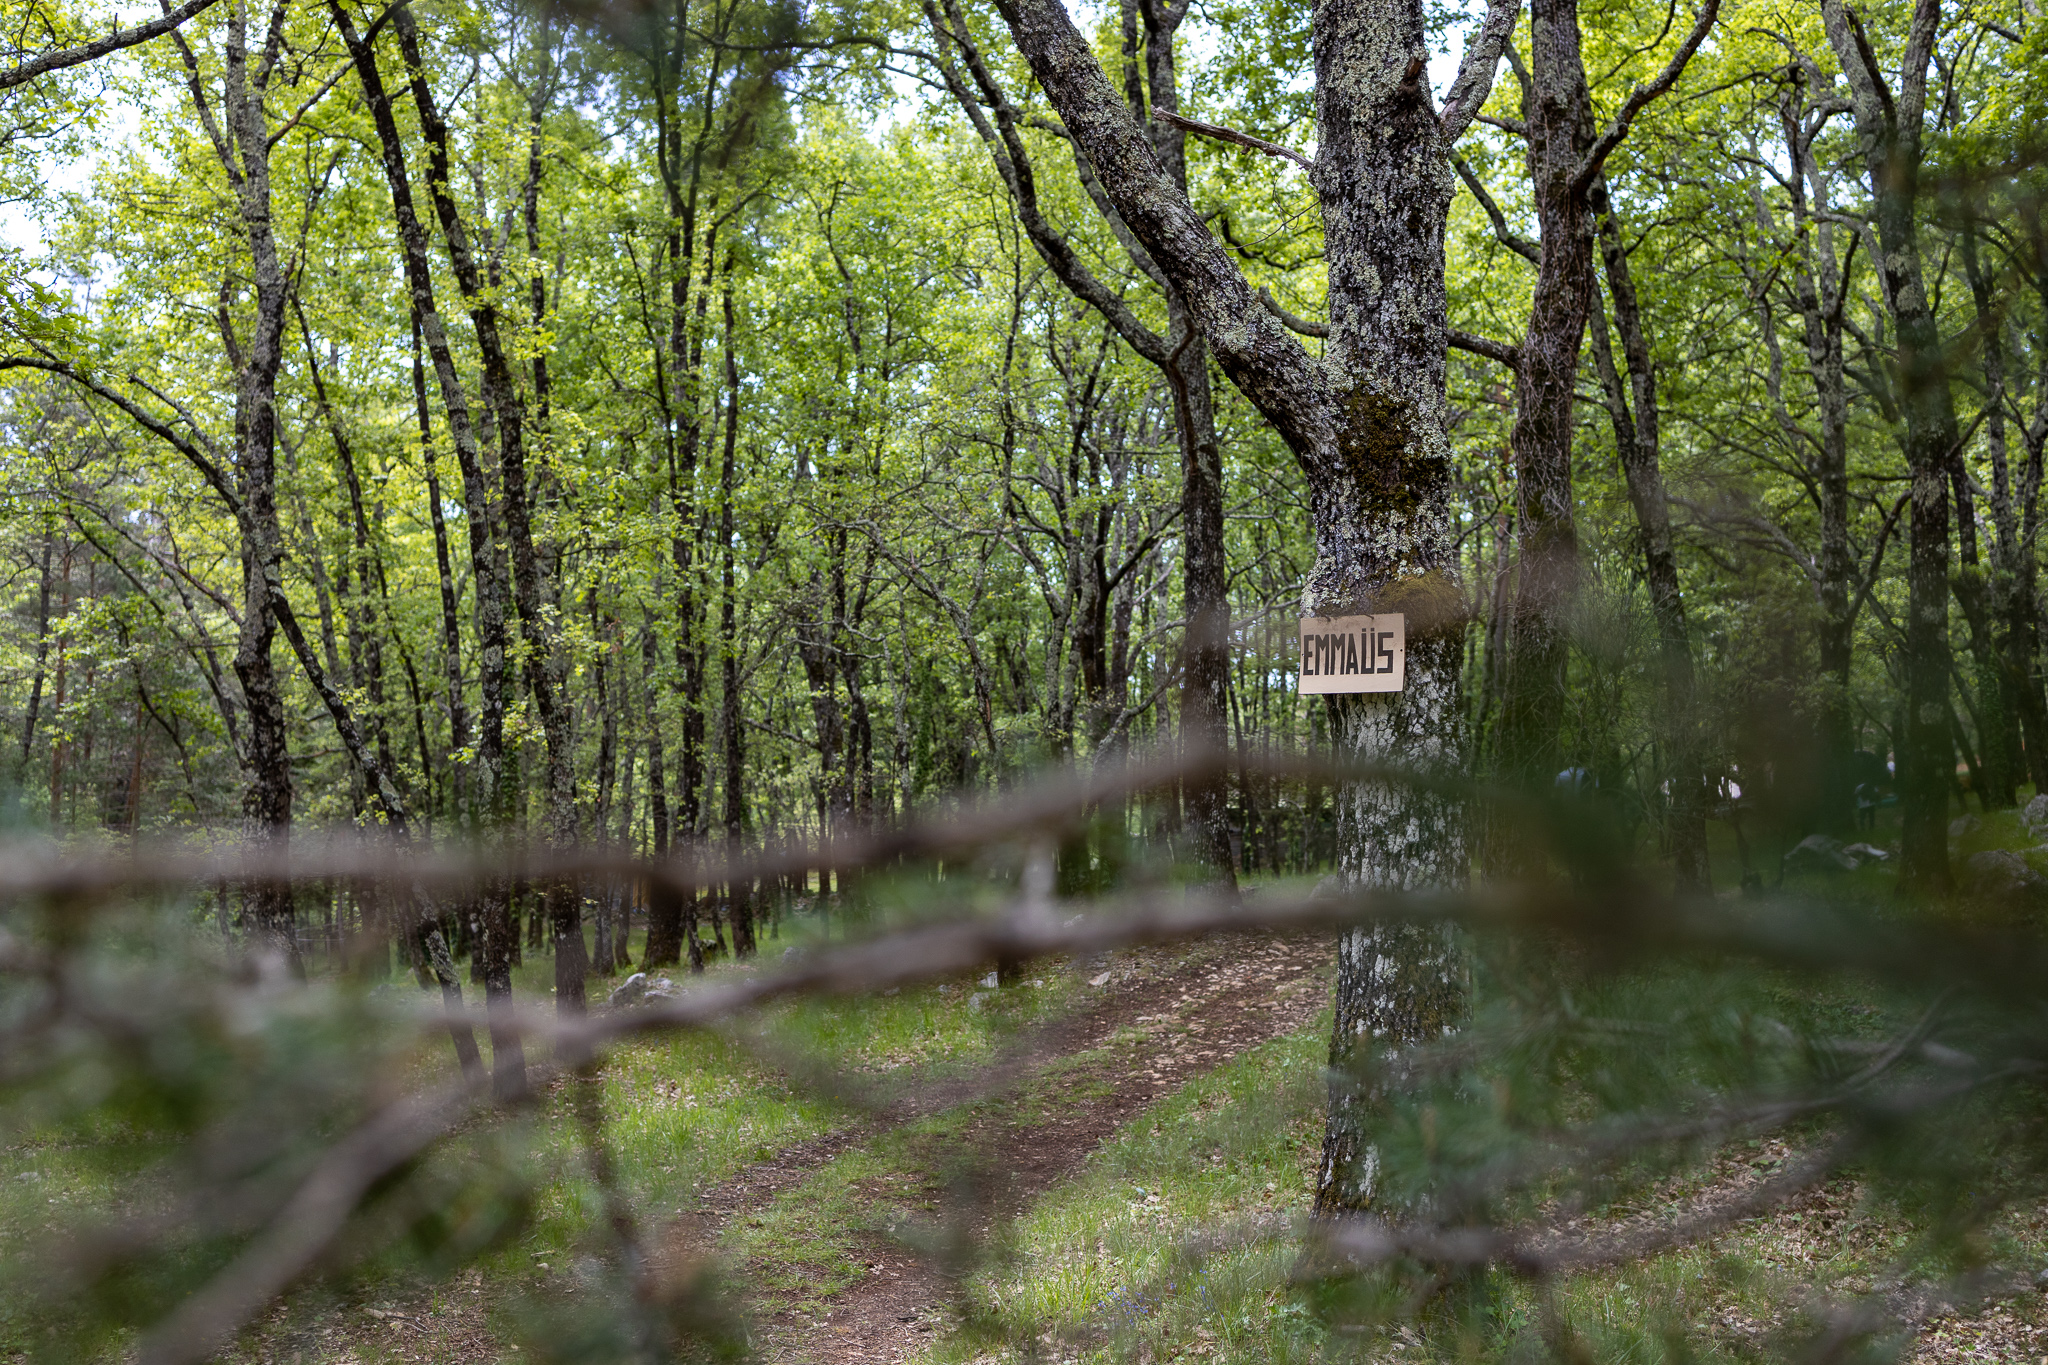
column 1222, row 134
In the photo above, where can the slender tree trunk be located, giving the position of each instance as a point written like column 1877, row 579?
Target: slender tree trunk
column 2013, row 511
column 465, row 806
column 35, row 691
column 603, row 635
column 1818, row 286
column 268, row 804
column 732, row 736
column 1150, row 81
column 1205, row 597
column 546, row 664
column 1637, row 440
column 494, row 914
column 1556, row 110
column 1888, row 128
column 664, row 947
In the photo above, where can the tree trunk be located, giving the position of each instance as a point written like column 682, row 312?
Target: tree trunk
column 1557, row 111
column 486, row 564
column 1889, row 130
column 1637, row 441
column 2013, row 600
column 1368, row 424
column 732, row 732
column 546, row 662
column 35, row 691
column 1181, row 355
column 664, row 946
column 268, row 804
column 1817, row 286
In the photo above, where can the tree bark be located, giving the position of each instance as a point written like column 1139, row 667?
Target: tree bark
column 246, row 157
column 546, row 661
column 1817, row 287
column 1181, row 355
column 2014, row 509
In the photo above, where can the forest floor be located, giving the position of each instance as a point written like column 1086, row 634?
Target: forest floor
column 976, row 1149
column 1163, row 1018
column 1057, row 1179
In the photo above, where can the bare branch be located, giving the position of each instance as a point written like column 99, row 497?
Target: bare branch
column 1506, row 235
column 1222, row 134
column 1498, row 351
column 86, row 52
column 1640, row 98
column 1475, row 69
column 1295, row 323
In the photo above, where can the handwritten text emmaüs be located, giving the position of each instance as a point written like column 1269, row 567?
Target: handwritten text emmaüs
column 1353, row 653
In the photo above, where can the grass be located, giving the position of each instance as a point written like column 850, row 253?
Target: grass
column 1097, row 1269
column 1100, row 1260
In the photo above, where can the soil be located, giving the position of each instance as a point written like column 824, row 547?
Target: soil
column 1197, row 1010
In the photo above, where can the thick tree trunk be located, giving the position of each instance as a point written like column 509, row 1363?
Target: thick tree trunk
column 1368, row 424
column 1385, row 542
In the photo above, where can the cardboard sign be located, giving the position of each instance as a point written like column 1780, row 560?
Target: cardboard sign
column 1353, row 653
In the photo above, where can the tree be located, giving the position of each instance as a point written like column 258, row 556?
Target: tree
column 1889, row 128
column 1368, row 427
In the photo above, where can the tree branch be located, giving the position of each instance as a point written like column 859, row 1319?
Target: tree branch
column 1498, row 351
column 1254, row 349
column 1013, row 163
column 1222, row 134
column 338, row 709
column 1294, row 322
column 92, row 51
column 1506, row 235
column 1474, row 80
column 211, row 472
column 1640, row 98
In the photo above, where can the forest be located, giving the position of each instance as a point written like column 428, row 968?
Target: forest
column 659, row 687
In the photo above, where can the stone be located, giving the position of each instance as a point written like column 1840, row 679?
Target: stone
column 629, row 991
column 1818, row 853
column 988, row 983
column 661, row 988
column 1963, row 826
column 1868, row 853
column 2001, row 874
column 2035, row 814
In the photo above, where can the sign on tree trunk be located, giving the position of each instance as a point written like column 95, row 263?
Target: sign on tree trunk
column 1353, row 653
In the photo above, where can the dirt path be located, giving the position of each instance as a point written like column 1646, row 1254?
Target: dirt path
column 1197, row 1011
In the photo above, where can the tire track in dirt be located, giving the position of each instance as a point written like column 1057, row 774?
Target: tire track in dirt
column 1197, row 1010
